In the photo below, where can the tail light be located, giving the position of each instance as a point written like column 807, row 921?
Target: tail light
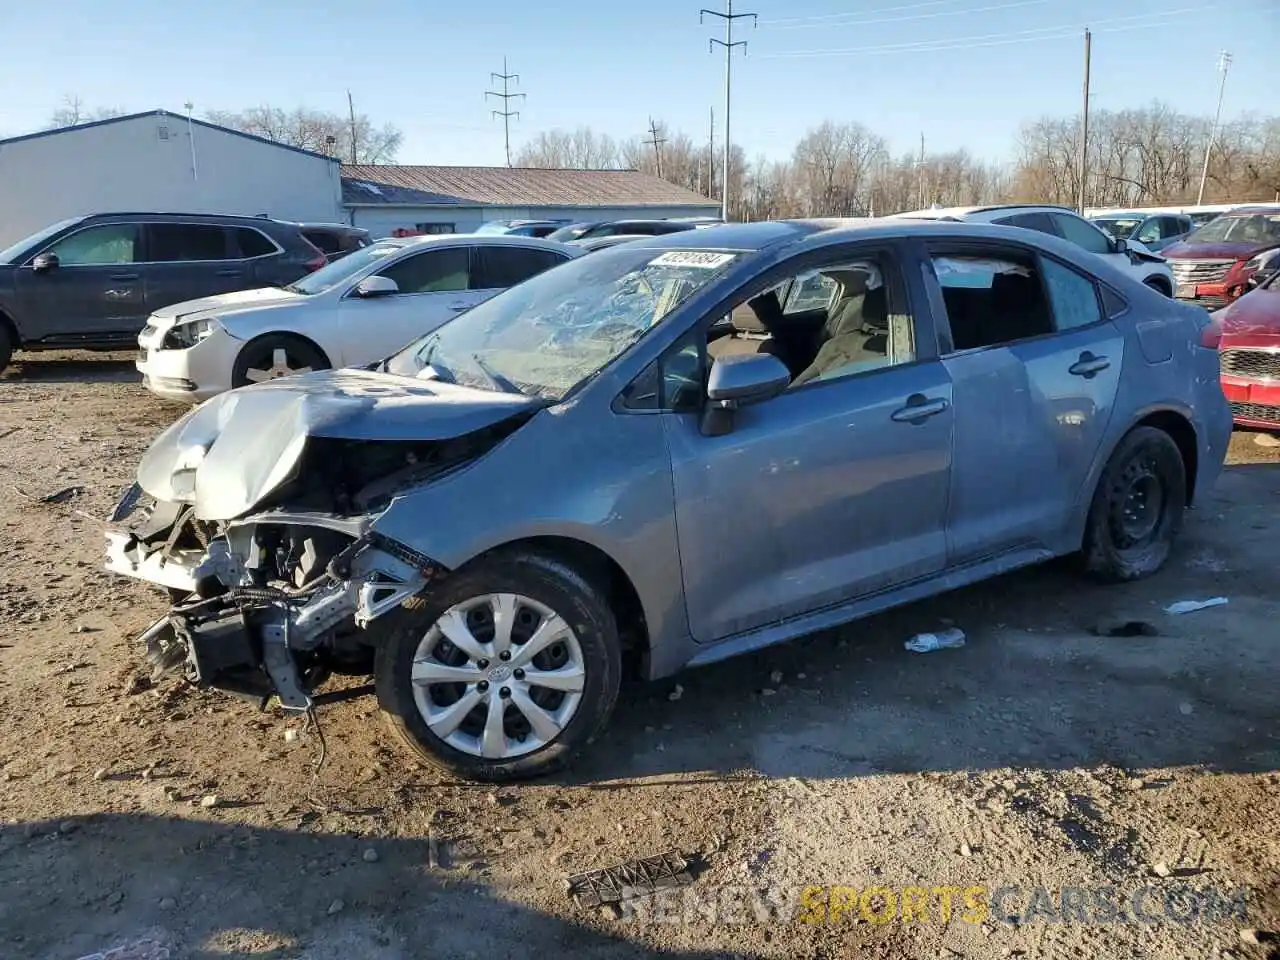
column 1211, row 333
column 316, row 262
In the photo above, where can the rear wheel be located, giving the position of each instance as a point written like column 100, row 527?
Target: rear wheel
column 276, row 355
column 1137, row 508
column 6, row 345
column 505, row 671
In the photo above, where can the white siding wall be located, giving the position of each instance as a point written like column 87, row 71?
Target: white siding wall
column 380, row 222
column 125, row 166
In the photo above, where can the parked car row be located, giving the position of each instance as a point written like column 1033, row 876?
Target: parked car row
column 91, row 282
column 678, row 412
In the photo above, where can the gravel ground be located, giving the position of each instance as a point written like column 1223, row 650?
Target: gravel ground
column 144, row 822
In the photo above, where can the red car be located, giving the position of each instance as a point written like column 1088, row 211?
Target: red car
column 1247, row 334
column 1213, row 265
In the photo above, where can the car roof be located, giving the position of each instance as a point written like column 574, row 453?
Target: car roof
column 178, row 215
column 1245, row 211
column 959, row 213
column 485, row 240
column 319, row 225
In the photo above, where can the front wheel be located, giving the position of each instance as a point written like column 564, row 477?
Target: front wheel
column 1137, row 508
column 273, row 356
column 505, row 671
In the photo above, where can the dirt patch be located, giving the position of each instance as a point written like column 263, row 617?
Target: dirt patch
column 1039, row 756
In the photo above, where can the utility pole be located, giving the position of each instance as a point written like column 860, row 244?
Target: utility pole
column 657, row 143
column 920, row 169
column 1224, row 64
column 191, row 135
column 711, row 157
column 728, row 43
column 351, row 110
column 1084, row 123
column 506, row 96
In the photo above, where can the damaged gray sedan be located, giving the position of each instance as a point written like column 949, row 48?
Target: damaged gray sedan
column 668, row 453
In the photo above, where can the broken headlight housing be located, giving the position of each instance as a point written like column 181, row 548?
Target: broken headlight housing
column 184, row 336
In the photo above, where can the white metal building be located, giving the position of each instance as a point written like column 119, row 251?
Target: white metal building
column 158, row 162
column 384, row 198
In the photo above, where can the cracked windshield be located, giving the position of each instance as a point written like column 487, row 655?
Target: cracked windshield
column 547, row 335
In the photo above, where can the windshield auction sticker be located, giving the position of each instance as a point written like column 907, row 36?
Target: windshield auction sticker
column 693, row 258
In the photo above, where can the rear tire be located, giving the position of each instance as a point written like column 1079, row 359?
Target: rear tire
column 276, row 355
column 1137, row 509
column 497, row 738
column 6, row 345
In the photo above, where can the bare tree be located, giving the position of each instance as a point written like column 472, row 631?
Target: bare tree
column 74, row 111
column 834, row 162
column 330, row 133
column 580, row 149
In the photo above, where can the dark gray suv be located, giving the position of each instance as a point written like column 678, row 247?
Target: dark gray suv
column 91, row 282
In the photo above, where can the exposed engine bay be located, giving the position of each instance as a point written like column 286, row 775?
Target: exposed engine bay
column 274, row 602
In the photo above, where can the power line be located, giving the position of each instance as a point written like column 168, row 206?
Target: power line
column 841, row 16
column 506, row 97
column 729, row 18
column 916, row 16
column 656, row 142
column 991, row 39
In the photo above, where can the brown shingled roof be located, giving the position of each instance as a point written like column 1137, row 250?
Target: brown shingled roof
column 515, row 187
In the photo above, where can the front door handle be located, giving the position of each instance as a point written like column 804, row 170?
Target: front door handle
column 919, row 409
column 1088, row 366
column 124, row 276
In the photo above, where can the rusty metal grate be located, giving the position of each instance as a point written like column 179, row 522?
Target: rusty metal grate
column 626, row 881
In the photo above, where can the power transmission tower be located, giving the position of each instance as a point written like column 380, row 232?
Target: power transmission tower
column 506, row 96
column 729, row 17
column 1084, row 122
column 656, row 142
column 1224, row 64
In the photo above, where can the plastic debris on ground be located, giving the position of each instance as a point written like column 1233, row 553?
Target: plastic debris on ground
column 1191, row 606
column 929, row 642
column 626, row 881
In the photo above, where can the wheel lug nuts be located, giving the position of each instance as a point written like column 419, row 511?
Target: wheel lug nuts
column 504, row 692
column 505, row 655
column 482, row 686
column 482, row 664
column 519, row 674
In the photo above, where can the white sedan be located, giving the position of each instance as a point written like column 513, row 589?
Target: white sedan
column 356, row 310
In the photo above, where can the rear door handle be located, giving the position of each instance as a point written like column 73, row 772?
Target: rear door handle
column 124, row 276
column 919, row 409
column 1088, row 366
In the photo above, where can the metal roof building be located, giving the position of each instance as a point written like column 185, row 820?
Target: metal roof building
column 384, row 198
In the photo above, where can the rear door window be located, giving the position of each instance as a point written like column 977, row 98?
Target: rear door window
column 496, row 268
column 992, row 299
column 434, row 271
column 190, row 242
column 1040, row 222
column 1082, row 233
column 1072, row 295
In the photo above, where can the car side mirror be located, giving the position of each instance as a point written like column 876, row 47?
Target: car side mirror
column 1119, row 245
column 45, row 262
column 371, row 287
column 737, row 381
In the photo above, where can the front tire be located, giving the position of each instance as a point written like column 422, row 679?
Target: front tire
column 1137, row 509
column 505, row 671
column 276, row 355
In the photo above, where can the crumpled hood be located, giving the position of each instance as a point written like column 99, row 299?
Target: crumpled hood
column 230, row 452
column 1215, row 250
column 228, row 304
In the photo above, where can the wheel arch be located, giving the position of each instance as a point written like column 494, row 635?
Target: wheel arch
column 10, row 327
column 607, row 575
column 286, row 335
column 1160, row 283
column 1173, row 421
